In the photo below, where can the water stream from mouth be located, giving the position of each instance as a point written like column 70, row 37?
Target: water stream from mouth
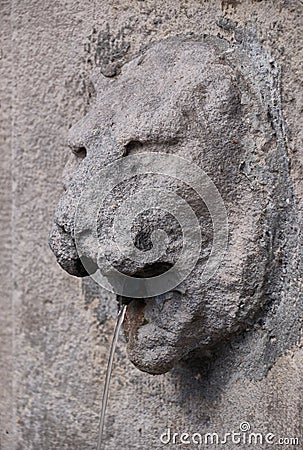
column 120, row 318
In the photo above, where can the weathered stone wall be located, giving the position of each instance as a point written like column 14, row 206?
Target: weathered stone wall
column 55, row 329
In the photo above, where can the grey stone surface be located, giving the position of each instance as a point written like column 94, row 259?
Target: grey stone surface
column 57, row 330
column 6, row 270
column 217, row 105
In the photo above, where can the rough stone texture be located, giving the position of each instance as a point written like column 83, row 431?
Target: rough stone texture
column 58, row 330
column 6, row 319
column 217, row 105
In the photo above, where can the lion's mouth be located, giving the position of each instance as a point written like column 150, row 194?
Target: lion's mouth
column 149, row 311
column 145, row 321
column 140, row 311
column 150, row 307
column 149, row 323
column 150, row 336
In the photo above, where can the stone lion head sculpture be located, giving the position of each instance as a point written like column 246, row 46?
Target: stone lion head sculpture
column 205, row 101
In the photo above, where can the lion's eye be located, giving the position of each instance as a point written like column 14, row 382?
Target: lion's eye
column 80, row 152
column 132, row 147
